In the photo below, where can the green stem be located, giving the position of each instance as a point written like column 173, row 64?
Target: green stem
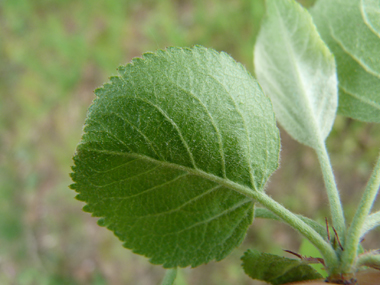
column 336, row 209
column 169, row 277
column 288, row 217
column 264, row 213
column 358, row 222
column 371, row 222
column 371, row 258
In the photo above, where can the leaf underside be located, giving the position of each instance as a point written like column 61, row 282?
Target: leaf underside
column 159, row 143
column 276, row 269
column 354, row 38
column 296, row 69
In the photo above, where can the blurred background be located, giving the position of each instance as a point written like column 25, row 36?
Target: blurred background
column 53, row 54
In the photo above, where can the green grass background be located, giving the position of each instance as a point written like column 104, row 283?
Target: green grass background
column 53, row 54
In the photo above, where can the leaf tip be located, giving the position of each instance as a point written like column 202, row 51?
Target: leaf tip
column 102, row 222
column 86, row 208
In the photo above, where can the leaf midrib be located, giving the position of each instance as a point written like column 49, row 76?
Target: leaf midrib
column 311, row 113
column 241, row 189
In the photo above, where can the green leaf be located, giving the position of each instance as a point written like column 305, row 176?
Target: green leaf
column 168, row 146
column 351, row 30
column 297, row 71
column 276, row 269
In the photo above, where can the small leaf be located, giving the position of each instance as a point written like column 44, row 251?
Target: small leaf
column 351, row 30
column 276, row 269
column 167, row 145
column 297, row 71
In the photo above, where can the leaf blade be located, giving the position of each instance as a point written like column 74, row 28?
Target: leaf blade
column 164, row 142
column 359, row 81
column 370, row 10
column 297, row 71
column 275, row 269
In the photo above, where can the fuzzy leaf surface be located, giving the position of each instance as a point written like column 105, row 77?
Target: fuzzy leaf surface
column 167, row 145
column 297, row 71
column 275, row 269
column 350, row 28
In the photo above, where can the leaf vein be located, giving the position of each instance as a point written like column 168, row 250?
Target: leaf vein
column 231, row 209
column 363, row 99
column 216, row 128
column 148, row 189
column 184, row 204
column 121, row 180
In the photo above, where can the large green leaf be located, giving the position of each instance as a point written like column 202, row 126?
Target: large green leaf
column 276, row 269
column 164, row 144
column 297, row 71
column 351, row 30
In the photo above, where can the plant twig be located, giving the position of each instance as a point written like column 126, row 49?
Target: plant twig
column 267, row 214
column 371, row 259
column 169, row 277
column 371, row 222
column 355, row 231
column 336, row 208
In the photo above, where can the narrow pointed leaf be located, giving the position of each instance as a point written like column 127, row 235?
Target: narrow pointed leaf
column 275, row 269
column 167, row 145
column 350, row 29
column 297, row 71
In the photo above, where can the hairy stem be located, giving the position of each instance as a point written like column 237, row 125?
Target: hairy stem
column 371, row 259
column 266, row 214
column 358, row 222
column 336, row 208
column 293, row 220
column 371, row 222
column 169, row 277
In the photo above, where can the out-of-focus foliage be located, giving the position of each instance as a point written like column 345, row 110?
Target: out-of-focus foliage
column 353, row 37
column 53, row 54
